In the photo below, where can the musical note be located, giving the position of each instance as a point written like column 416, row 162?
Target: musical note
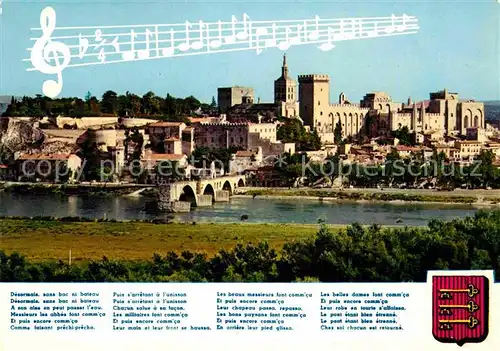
column 340, row 35
column 328, row 45
column 45, row 46
column 243, row 35
column 100, row 40
column 352, row 30
column 285, row 44
column 170, row 50
column 232, row 38
column 115, row 44
column 216, row 43
column 144, row 53
column 392, row 27
column 185, row 46
column 271, row 42
column 98, row 35
column 260, row 32
column 402, row 27
column 157, row 41
column 101, row 56
column 374, row 32
column 296, row 39
column 130, row 55
column 83, row 45
column 314, row 35
column 197, row 45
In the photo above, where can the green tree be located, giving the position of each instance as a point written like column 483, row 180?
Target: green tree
column 292, row 131
column 485, row 173
column 109, row 103
column 404, row 136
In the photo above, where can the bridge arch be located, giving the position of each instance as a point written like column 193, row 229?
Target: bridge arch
column 241, row 183
column 188, row 194
column 209, row 190
column 227, row 186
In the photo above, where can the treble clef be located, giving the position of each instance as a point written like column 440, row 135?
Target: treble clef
column 42, row 50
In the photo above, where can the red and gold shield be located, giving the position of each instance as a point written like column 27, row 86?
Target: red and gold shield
column 460, row 308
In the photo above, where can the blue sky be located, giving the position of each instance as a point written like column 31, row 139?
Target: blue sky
column 457, row 47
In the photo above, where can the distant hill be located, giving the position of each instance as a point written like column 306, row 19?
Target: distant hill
column 492, row 110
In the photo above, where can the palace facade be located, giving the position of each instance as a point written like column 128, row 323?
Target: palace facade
column 444, row 113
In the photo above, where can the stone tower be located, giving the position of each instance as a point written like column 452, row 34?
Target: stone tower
column 414, row 118
column 314, row 99
column 285, row 88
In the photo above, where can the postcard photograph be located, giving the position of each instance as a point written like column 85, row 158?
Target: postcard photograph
column 248, row 141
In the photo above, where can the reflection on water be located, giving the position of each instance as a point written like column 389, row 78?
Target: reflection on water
column 258, row 210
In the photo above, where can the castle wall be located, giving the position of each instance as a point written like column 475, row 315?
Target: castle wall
column 434, row 121
column 471, row 115
column 401, row 120
column 222, row 135
column 265, row 130
column 137, row 122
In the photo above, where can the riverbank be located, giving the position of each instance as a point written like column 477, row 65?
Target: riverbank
column 51, row 239
column 476, row 197
column 92, row 189
column 472, row 197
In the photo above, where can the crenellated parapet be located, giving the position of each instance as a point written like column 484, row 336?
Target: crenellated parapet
column 234, row 124
column 433, row 115
column 402, row 115
column 351, row 107
column 305, row 78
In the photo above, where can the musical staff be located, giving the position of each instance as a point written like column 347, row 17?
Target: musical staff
column 113, row 44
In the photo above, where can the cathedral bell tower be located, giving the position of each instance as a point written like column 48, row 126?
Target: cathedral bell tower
column 285, row 88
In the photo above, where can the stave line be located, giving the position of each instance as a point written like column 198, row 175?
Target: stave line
column 247, row 48
column 396, row 18
column 211, row 38
column 230, row 29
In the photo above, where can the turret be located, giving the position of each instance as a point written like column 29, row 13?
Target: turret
column 414, row 117
column 284, row 68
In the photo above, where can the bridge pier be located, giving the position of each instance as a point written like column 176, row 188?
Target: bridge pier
column 204, row 200
column 166, row 201
column 222, row 196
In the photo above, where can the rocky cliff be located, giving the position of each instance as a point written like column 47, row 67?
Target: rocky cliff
column 20, row 136
column 25, row 137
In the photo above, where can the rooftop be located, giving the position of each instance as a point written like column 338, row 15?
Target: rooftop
column 407, row 148
column 44, row 157
column 203, row 119
column 166, row 124
column 468, row 142
column 244, row 154
column 164, row 157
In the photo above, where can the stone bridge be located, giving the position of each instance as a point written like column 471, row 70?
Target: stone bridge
column 198, row 193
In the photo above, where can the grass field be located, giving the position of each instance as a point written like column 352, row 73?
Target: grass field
column 52, row 240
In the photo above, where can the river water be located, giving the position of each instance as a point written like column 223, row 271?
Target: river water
column 303, row 211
